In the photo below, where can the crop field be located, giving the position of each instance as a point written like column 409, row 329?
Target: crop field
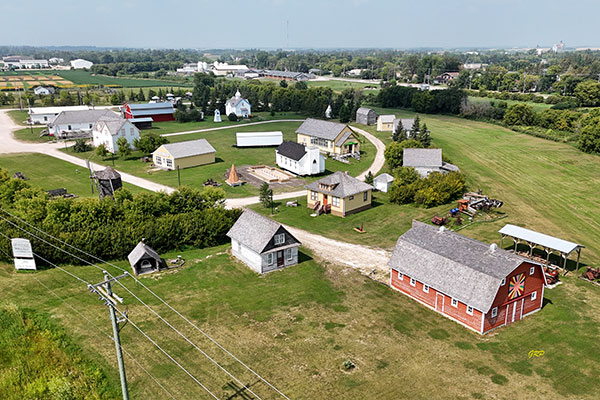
column 20, row 81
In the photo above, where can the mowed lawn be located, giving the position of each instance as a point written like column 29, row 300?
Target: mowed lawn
column 51, row 173
column 226, row 153
column 536, row 106
column 298, row 326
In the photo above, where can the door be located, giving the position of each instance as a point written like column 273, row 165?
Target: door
column 518, row 313
column 280, row 258
column 325, row 200
column 439, row 302
column 511, row 312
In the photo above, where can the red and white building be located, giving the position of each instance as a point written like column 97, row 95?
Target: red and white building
column 157, row 111
column 477, row 285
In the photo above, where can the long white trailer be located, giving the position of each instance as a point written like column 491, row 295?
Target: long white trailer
column 259, row 139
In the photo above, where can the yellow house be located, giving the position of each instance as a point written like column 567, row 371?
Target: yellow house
column 329, row 137
column 385, row 123
column 184, row 154
column 340, row 194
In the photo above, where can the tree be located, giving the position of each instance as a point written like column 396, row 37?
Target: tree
column 345, row 114
column 424, row 136
column 394, row 152
column 132, row 96
column 519, row 114
column 369, row 178
column 588, row 93
column 81, row 146
column 149, row 142
column 101, row 151
column 589, row 138
column 399, row 134
column 124, row 149
column 140, row 95
column 301, row 85
column 283, row 83
column 265, row 195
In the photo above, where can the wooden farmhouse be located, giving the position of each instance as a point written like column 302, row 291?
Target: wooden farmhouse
column 477, row 285
column 385, row 123
column 143, row 259
column 77, row 121
column 366, row 116
column 329, row 137
column 108, row 130
column 262, row 244
column 299, row 159
column 184, row 154
column 426, row 161
column 340, row 194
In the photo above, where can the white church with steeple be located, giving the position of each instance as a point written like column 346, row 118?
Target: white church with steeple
column 238, row 105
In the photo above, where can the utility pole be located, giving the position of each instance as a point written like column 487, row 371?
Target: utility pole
column 104, row 290
column 178, row 176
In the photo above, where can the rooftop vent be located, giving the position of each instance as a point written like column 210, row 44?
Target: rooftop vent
column 493, row 247
column 442, row 229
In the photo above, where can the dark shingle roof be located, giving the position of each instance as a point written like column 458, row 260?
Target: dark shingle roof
column 321, row 129
column 422, row 158
column 292, row 150
column 344, row 185
column 108, row 173
column 255, row 231
column 465, row 269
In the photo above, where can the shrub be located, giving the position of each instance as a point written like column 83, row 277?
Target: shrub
column 232, row 117
column 81, row 146
column 519, row 114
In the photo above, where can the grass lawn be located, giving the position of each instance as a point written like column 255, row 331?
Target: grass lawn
column 18, row 116
column 32, row 135
column 536, row 106
column 298, row 326
column 51, row 173
column 81, row 77
column 223, row 141
column 339, row 86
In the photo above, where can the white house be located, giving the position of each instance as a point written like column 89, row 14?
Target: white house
column 43, row 91
column 77, row 121
column 238, row 105
column 45, row 115
column 262, row 244
column 426, row 161
column 383, row 182
column 108, row 130
column 299, row 159
column 81, row 64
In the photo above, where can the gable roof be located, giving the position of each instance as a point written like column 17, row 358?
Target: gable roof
column 407, row 123
column 343, row 184
column 422, row 158
column 112, row 124
column 321, row 129
column 144, row 109
column 385, row 177
column 292, row 150
column 255, row 231
column 463, row 268
column 81, row 116
column 140, row 251
column 386, row 119
column 189, row 148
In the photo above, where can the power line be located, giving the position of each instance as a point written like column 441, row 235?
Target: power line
column 141, row 301
column 145, row 287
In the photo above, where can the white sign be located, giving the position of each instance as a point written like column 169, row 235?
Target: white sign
column 21, row 248
column 25, row 263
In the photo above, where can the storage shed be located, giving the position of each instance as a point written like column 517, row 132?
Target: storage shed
column 109, row 181
column 186, row 154
column 144, row 260
column 259, row 139
column 383, row 182
column 366, row 116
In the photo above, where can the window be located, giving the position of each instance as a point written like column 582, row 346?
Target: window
column 426, row 288
column 158, row 160
column 400, row 276
column 288, row 254
column 351, row 198
column 494, row 312
column 335, row 201
column 454, row 303
column 531, row 270
column 314, row 195
column 270, row 259
column 280, row 238
column 320, row 142
column 45, row 119
column 69, row 127
column 533, row 296
column 365, row 196
column 503, row 282
column 169, row 162
column 469, row 310
column 413, row 282
column 90, row 126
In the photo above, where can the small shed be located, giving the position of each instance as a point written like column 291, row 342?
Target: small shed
column 366, row 116
column 259, row 139
column 109, row 181
column 144, row 259
column 383, row 182
column 217, row 117
column 186, row 154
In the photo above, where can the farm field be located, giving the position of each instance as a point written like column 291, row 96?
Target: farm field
column 223, row 141
column 297, row 327
column 18, row 80
column 51, row 173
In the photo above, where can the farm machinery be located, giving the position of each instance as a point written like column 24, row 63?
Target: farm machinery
column 591, row 274
column 473, row 202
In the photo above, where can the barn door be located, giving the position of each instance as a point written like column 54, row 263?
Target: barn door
column 439, row 302
column 518, row 310
column 511, row 311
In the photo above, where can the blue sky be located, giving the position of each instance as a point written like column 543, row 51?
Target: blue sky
column 312, row 23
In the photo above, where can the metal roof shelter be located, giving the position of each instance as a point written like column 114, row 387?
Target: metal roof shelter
column 549, row 244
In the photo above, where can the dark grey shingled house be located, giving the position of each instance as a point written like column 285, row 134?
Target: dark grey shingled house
column 426, row 161
column 262, row 244
column 144, row 259
column 366, row 116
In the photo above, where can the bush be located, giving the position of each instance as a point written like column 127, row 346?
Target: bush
column 81, row 146
column 394, row 150
column 149, row 142
column 519, row 114
column 589, row 139
column 232, row 117
column 483, row 110
column 432, row 191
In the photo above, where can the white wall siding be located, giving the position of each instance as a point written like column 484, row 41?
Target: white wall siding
column 247, row 256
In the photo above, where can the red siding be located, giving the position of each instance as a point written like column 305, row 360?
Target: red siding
column 161, row 117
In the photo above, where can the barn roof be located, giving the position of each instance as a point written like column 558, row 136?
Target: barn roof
column 343, row 184
column 255, row 231
column 463, row 268
column 140, row 251
column 292, row 150
column 422, row 158
column 321, row 129
column 364, row 110
column 189, row 148
column 541, row 239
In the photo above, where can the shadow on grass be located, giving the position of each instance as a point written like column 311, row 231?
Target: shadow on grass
column 303, row 257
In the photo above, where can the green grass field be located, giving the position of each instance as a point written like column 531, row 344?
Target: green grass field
column 51, row 173
column 298, row 326
column 536, row 106
column 339, row 86
column 223, row 141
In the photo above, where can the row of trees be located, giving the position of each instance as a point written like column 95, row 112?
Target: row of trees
column 423, row 101
column 111, row 228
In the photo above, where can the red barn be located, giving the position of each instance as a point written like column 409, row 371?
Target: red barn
column 477, row 285
column 157, row 111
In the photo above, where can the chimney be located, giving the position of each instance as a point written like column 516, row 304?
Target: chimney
column 442, row 229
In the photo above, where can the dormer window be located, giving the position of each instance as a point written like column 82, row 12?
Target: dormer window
column 280, row 238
